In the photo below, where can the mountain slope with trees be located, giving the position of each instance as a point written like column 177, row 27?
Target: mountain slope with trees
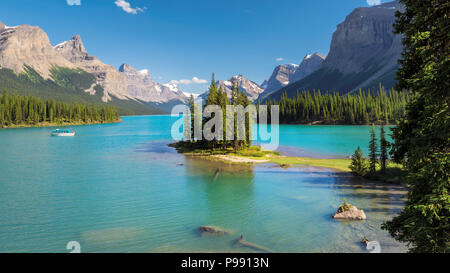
column 363, row 53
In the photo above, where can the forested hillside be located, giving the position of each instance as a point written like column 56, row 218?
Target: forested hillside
column 18, row 110
column 360, row 108
column 67, row 86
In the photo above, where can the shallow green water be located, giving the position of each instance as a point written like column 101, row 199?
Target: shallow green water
column 119, row 188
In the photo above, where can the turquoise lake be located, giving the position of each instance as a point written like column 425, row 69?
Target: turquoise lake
column 119, row 188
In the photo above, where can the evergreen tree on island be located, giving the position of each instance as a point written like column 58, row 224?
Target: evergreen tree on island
column 359, row 164
column 373, row 151
column 384, row 146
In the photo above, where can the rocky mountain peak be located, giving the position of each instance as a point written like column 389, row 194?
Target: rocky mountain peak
column 2, row 26
column 250, row 88
column 74, row 50
column 78, row 43
column 281, row 76
column 141, row 86
column 126, row 68
column 314, row 56
column 310, row 64
column 366, row 34
column 28, row 45
column 135, row 76
column 364, row 52
column 286, row 74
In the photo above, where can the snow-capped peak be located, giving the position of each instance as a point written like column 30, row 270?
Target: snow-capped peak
column 227, row 83
column 60, row 45
column 189, row 95
column 144, row 72
column 309, row 56
column 172, row 87
column 8, row 27
column 292, row 66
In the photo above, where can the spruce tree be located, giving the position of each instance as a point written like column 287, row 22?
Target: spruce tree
column 384, row 146
column 373, row 151
column 359, row 164
column 235, row 102
column 192, row 109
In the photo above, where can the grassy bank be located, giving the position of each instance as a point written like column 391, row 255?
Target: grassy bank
column 255, row 155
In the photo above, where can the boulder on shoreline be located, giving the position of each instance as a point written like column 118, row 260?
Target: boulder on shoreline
column 212, row 230
column 350, row 213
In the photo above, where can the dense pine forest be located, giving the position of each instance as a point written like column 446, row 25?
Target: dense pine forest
column 361, row 108
column 18, row 110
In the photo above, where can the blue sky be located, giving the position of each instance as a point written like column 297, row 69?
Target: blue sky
column 182, row 39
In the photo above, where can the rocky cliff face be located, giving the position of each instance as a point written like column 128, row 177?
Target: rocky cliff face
column 364, row 52
column 280, row 77
column 366, row 40
column 141, row 86
column 113, row 82
column 28, row 45
column 309, row 65
column 286, row 74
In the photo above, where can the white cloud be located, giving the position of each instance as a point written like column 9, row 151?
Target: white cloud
column 73, row 2
column 127, row 7
column 279, row 59
column 373, row 2
column 194, row 80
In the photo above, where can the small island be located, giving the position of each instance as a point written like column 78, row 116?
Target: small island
column 239, row 150
column 256, row 155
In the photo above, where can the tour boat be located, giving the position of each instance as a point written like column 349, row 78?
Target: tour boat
column 66, row 132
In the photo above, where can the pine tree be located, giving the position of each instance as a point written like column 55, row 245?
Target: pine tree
column 384, row 146
column 359, row 164
column 235, row 102
column 373, row 151
column 192, row 109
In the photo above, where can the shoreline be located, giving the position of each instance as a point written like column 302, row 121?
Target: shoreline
column 48, row 124
column 337, row 165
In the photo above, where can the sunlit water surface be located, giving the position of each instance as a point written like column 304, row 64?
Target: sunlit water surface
column 119, row 188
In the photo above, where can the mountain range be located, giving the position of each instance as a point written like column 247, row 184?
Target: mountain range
column 289, row 73
column 26, row 51
column 363, row 53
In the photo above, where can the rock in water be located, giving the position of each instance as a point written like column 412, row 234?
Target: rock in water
column 365, row 241
column 212, row 230
column 353, row 213
column 242, row 242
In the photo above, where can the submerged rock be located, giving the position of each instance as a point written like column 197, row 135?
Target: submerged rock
column 365, row 241
column 212, row 230
column 285, row 166
column 241, row 242
column 351, row 213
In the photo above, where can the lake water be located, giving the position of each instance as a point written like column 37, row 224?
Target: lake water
column 119, row 188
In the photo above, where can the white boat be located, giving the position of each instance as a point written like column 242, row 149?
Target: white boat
column 59, row 132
